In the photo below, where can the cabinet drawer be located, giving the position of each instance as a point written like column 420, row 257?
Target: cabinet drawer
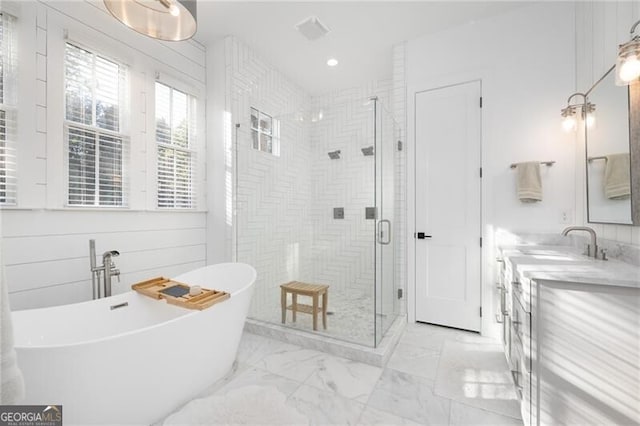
column 521, row 289
column 521, row 329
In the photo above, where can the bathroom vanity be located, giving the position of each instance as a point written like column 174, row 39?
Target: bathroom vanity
column 571, row 333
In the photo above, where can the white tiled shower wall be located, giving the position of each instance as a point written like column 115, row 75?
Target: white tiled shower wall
column 273, row 193
column 600, row 28
column 285, row 225
column 343, row 249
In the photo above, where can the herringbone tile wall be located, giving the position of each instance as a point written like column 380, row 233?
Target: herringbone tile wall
column 284, row 218
column 273, row 194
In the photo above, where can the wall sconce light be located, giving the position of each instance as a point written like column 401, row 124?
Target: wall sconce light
column 569, row 121
column 589, row 114
column 170, row 20
column 570, row 113
column 628, row 63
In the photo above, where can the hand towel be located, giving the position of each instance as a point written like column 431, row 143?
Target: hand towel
column 11, row 381
column 529, row 182
column 617, row 177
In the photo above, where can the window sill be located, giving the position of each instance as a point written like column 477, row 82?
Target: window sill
column 101, row 210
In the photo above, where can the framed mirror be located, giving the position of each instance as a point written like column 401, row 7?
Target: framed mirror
column 612, row 143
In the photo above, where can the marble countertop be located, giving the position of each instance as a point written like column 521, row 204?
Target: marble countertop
column 568, row 264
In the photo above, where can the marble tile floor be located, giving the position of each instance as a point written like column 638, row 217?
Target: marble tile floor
column 436, row 376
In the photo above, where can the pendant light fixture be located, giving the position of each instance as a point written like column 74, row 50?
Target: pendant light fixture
column 170, row 20
column 628, row 63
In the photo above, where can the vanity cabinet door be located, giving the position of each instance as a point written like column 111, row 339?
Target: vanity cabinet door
column 587, row 354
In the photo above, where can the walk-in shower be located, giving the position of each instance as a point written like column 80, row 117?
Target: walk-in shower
column 287, row 193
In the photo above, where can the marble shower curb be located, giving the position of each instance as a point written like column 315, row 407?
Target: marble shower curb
column 373, row 356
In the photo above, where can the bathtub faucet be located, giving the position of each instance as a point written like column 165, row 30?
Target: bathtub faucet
column 108, row 268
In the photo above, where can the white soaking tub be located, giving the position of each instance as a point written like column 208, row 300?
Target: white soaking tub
column 133, row 364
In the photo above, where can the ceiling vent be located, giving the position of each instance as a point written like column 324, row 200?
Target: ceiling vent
column 312, row 28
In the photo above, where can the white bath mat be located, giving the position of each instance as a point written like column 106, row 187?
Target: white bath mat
column 249, row 405
column 477, row 374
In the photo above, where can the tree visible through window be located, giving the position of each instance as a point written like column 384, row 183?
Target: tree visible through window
column 175, row 138
column 96, row 145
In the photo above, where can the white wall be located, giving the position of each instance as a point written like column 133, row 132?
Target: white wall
column 45, row 244
column 525, row 60
column 600, row 28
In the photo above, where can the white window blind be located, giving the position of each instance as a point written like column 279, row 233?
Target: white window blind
column 8, row 131
column 97, row 147
column 175, row 138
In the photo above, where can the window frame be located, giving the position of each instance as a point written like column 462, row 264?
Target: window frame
column 273, row 133
column 123, row 132
column 8, row 107
column 192, row 148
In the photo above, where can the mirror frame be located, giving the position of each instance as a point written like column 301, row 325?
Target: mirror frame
column 634, row 146
column 633, row 96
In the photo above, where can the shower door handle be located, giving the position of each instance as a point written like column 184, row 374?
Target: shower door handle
column 381, row 239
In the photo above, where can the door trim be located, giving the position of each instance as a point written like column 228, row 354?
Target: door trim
column 411, row 200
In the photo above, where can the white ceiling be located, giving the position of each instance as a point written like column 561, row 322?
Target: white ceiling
column 361, row 37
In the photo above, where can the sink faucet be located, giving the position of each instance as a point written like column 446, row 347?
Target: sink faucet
column 593, row 244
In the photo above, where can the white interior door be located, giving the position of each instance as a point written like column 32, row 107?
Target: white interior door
column 448, row 272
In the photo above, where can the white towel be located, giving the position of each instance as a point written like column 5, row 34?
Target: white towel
column 11, row 381
column 529, row 182
column 617, row 177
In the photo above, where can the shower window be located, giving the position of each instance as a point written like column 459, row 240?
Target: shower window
column 95, row 142
column 7, row 112
column 265, row 132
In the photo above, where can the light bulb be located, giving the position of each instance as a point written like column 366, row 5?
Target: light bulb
column 174, row 10
column 630, row 68
column 332, row 62
column 569, row 123
column 591, row 119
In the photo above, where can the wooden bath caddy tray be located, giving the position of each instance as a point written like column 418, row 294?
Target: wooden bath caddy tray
column 157, row 288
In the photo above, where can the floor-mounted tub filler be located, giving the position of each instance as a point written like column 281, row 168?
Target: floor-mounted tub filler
column 130, row 359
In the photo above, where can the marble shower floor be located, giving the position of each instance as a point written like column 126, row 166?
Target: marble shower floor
column 436, row 376
column 351, row 317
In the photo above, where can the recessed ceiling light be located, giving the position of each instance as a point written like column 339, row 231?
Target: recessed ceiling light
column 332, row 62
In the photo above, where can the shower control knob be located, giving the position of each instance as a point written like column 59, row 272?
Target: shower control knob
column 422, row 236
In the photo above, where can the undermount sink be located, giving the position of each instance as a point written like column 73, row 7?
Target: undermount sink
column 567, row 264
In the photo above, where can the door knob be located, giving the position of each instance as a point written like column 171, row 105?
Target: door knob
column 422, row 236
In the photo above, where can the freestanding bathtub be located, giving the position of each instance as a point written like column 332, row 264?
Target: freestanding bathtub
column 137, row 363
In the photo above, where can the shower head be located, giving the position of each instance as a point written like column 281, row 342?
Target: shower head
column 367, row 151
column 334, row 155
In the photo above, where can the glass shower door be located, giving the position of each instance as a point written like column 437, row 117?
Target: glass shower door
column 385, row 139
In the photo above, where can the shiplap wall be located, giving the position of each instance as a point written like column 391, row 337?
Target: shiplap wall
column 45, row 245
column 600, row 28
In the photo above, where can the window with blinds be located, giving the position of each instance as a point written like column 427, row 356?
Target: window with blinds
column 175, row 138
column 96, row 145
column 8, row 85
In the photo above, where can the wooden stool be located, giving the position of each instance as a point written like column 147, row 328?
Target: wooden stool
column 314, row 291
